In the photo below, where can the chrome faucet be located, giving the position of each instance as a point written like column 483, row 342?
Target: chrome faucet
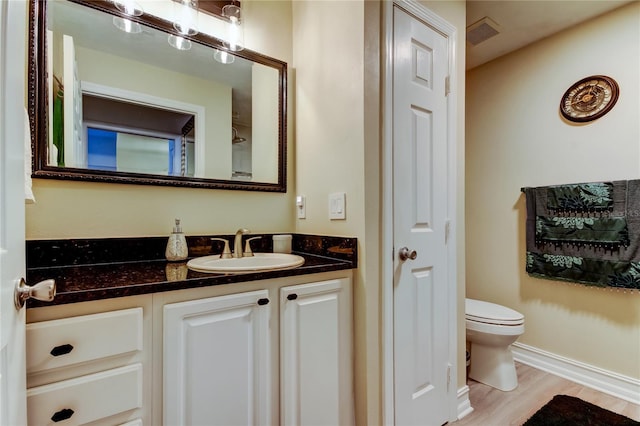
column 237, row 243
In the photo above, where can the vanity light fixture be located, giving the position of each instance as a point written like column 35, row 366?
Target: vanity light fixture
column 129, row 7
column 223, row 56
column 185, row 18
column 235, row 30
column 127, row 25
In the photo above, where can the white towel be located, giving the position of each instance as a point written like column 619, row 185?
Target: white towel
column 28, row 191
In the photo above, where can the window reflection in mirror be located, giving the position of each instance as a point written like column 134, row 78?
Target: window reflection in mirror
column 119, row 102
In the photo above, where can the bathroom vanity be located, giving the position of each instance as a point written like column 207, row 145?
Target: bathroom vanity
column 193, row 348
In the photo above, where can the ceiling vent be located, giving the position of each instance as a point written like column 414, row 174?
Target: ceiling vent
column 482, row 30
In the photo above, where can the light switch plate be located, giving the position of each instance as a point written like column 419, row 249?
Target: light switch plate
column 301, row 207
column 337, row 206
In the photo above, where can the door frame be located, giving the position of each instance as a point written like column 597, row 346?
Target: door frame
column 440, row 25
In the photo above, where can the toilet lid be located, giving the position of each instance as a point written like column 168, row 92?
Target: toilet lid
column 491, row 313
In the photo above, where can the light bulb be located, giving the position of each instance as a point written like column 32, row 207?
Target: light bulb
column 179, row 43
column 127, row 25
column 223, row 57
column 186, row 17
column 233, row 34
column 235, row 30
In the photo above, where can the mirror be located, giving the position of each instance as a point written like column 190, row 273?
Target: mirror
column 108, row 105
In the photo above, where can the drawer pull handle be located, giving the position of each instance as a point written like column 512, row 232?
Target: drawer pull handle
column 292, row 296
column 63, row 414
column 263, row 301
column 61, row 350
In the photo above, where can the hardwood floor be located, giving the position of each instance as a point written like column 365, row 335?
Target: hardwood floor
column 535, row 388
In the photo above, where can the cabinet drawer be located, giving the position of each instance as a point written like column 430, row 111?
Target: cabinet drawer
column 87, row 398
column 64, row 342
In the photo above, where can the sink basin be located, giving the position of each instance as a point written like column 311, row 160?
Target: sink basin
column 258, row 262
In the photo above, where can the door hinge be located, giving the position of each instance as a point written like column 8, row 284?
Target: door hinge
column 448, row 376
column 447, row 85
column 447, row 230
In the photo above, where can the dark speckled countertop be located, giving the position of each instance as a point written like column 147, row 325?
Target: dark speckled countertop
column 95, row 269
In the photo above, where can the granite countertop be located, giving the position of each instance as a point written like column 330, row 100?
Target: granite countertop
column 98, row 269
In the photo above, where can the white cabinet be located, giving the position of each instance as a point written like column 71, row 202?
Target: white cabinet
column 315, row 354
column 279, row 352
column 266, row 352
column 216, row 361
column 87, row 366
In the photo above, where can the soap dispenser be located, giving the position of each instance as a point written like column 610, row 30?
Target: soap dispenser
column 177, row 245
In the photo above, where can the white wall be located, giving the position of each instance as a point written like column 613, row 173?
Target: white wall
column 66, row 209
column 516, row 137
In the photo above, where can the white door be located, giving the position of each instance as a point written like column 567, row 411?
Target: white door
column 421, row 306
column 315, row 359
column 216, row 363
column 13, row 18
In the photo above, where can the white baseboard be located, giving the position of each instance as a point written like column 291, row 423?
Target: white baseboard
column 464, row 404
column 611, row 383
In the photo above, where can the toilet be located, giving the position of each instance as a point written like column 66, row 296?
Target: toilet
column 491, row 329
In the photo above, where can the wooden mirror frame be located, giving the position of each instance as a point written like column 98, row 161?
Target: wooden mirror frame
column 38, row 109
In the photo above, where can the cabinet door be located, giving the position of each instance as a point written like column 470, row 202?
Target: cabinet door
column 316, row 347
column 217, row 361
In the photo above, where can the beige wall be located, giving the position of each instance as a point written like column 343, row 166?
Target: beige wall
column 517, row 138
column 329, row 112
column 87, row 210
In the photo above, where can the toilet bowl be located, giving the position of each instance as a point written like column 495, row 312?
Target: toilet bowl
column 491, row 329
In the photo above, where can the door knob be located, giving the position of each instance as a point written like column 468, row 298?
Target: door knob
column 44, row 291
column 405, row 254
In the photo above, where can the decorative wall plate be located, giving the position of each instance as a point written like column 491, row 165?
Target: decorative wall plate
column 589, row 98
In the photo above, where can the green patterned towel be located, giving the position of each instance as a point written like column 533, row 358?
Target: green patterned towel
column 586, row 233
column 578, row 198
column 608, row 232
column 596, row 272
